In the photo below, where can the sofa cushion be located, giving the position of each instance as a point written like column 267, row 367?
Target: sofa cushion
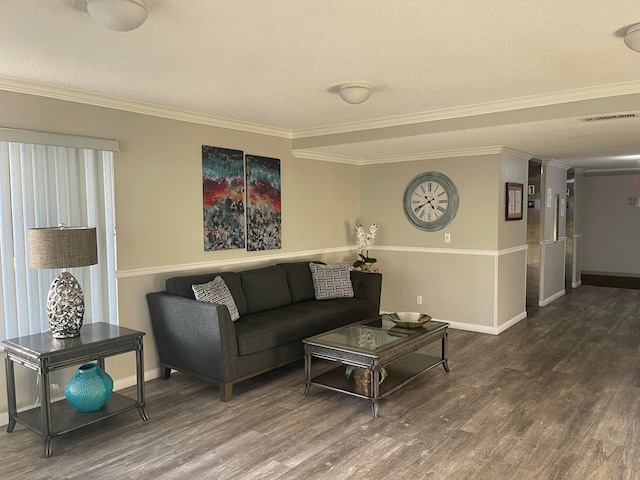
column 331, row 281
column 216, row 291
column 295, row 322
column 300, row 281
column 265, row 288
column 182, row 286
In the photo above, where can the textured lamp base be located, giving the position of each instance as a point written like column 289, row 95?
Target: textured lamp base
column 65, row 306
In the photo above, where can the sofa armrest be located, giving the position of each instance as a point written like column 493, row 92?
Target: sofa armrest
column 369, row 287
column 196, row 336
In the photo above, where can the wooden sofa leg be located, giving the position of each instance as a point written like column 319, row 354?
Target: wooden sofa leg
column 226, row 391
column 166, row 373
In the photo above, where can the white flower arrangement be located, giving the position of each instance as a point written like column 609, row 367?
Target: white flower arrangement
column 365, row 242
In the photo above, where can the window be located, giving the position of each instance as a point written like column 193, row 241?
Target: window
column 44, row 186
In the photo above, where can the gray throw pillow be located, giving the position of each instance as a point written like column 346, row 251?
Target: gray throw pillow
column 216, row 291
column 331, row 281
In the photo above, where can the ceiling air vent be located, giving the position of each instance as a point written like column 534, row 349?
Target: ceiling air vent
column 613, row 116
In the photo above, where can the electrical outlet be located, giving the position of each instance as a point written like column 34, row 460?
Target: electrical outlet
column 419, row 300
column 447, row 238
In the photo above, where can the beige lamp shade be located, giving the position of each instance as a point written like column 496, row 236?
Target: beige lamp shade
column 62, row 247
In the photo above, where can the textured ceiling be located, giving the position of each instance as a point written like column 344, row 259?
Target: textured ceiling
column 441, row 70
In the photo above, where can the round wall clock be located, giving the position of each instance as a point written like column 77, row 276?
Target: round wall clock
column 431, row 201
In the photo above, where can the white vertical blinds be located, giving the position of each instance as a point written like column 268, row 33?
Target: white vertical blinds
column 44, row 186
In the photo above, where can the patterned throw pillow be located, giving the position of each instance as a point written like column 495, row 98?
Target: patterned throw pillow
column 216, row 291
column 331, row 281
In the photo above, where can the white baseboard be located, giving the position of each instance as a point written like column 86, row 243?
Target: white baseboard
column 576, row 284
column 548, row 300
column 132, row 380
column 471, row 327
column 518, row 318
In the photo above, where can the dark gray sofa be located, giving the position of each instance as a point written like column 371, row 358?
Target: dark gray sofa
column 277, row 309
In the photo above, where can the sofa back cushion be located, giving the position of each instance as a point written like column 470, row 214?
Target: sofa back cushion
column 183, row 286
column 265, row 288
column 300, row 281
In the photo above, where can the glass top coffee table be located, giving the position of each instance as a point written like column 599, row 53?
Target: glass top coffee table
column 370, row 349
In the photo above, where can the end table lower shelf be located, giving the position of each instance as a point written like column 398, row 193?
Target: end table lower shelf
column 65, row 418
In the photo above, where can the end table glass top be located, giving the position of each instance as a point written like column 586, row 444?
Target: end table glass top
column 372, row 334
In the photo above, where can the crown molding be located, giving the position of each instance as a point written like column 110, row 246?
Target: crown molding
column 99, row 100
column 610, row 171
column 325, row 157
column 517, row 154
column 566, row 96
column 556, row 163
column 414, row 157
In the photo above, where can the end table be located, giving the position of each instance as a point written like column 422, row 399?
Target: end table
column 44, row 354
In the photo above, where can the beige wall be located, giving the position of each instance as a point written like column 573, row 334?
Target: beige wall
column 513, row 169
column 475, row 225
column 456, row 288
column 477, row 281
column 511, row 284
column 512, row 243
column 158, row 190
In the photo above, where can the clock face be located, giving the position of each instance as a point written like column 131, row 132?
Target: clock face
column 431, row 201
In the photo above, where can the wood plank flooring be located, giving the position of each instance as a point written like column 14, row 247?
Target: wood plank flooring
column 555, row 397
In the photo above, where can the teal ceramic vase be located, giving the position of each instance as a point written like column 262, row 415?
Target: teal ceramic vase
column 89, row 388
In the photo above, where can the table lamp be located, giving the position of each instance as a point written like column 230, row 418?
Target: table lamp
column 63, row 247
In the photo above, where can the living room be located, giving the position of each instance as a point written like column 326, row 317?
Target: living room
column 476, row 282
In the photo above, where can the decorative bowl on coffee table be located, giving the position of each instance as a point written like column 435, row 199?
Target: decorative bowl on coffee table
column 409, row 319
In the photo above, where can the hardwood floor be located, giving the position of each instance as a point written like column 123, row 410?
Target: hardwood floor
column 555, row 397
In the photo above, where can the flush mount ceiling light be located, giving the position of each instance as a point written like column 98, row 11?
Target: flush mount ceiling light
column 354, row 92
column 632, row 37
column 118, row 15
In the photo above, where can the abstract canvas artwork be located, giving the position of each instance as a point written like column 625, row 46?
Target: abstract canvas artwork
column 264, row 214
column 223, row 198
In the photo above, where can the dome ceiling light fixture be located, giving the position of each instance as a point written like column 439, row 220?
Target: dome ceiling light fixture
column 354, row 92
column 118, row 15
column 632, row 37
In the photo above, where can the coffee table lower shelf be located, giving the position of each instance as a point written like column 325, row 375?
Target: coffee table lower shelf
column 400, row 372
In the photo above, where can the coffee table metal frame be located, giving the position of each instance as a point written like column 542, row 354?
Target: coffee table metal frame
column 401, row 352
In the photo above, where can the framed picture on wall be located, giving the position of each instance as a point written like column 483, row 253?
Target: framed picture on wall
column 223, row 198
column 514, row 200
column 264, row 212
